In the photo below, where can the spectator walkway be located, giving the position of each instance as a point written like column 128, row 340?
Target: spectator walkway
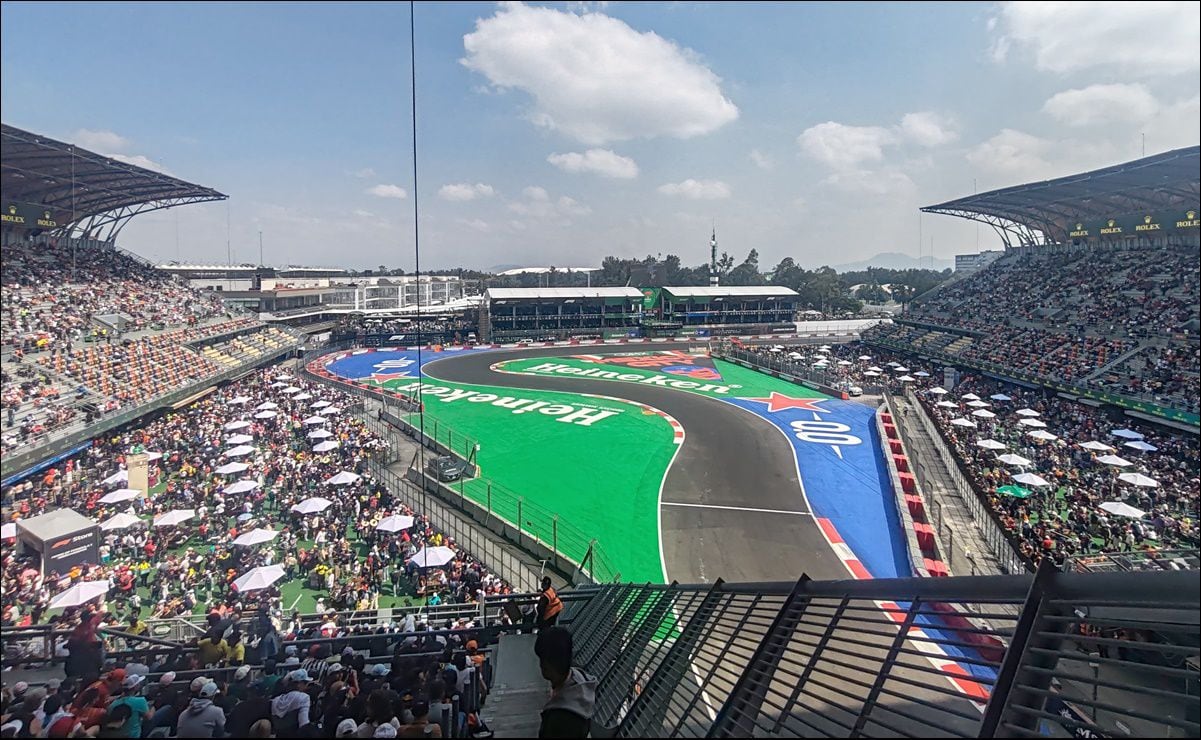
column 967, row 552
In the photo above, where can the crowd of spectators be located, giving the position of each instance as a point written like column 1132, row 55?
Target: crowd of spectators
column 165, row 571
column 52, row 294
column 1064, row 518
column 1064, row 314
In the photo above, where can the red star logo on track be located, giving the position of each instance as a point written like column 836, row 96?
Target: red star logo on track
column 382, row 378
column 779, row 402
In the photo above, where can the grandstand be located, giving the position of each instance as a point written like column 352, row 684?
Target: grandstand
column 94, row 336
column 513, row 314
column 719, row 310
column 1097, row 294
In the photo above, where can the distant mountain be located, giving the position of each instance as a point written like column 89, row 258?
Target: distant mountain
column 894, row 261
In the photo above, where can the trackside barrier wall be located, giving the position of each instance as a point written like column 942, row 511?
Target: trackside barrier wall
column 857, row 659
column 908, row 500
column 1003, row 544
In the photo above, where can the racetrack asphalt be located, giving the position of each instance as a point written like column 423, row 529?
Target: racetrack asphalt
column 732, row 505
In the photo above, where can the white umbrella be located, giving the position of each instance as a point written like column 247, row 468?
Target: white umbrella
column 290, row 389
column 8, row 531
column 1031, row 479
column 320, row 434
column 1098, row 446
column 892, row 364
column 1013, row 460
column 865, row 357
column 319, row 404
column 121, row 476
column 312, row 505
column 947, row 404
column 119, row 521
column 1118, row 508
column 819, row 363
column 1036, row 423
column 231, row 468
column 239, row 451
column 256, row 537
column 173, row 518
column 871, row 374
column 970, row 397
column 795, row 356
column 979, row 404
column 394, row 523
column 1000, row 397
column 432, row 557
column 990, row 444
column 284, row 376
column 268, row 414
column 961, row 422
column 1138, row 479
column 984, row 414
column 119, row 495
column 236, row 425
column 242, row 486
column 875, row 369
column 845, row 362
column 302, row 396
column 901, row 369
column 922, row 374
column 824, row 349
column 267, row 406
column 1114, row 460
column 256, row 579
column 238, row 401
column 1042, row 434
column 343, row 478
column 906, row 378
column 315, row 420
column 1027, row 412
column 277, row 384
column 80, row 594
column 239, row 439
column 332, row 444
column 938, row 390
column 1126, row 434
column 1141, row 446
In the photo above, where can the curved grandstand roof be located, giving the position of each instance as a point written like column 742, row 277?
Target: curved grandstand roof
column 81, row 188
column 1162, row 183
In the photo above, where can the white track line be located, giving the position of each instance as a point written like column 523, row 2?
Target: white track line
column 735, row 508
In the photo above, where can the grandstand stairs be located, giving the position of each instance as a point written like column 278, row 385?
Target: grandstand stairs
column 518, row 690
column 1116, row 361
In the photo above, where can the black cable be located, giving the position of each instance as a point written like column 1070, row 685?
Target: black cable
column 416, row 245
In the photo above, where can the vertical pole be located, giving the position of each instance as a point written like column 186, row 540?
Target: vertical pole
column 489, row 502
column 519, row 524
column 554, row 539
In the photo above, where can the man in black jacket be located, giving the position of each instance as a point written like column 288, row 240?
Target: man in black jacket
column 568, row 713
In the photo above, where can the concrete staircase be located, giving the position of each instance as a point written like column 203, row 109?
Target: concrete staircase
column 518, row 690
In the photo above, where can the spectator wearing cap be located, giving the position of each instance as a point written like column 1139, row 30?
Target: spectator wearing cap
column 262, row 728
column 167, row 702
column 346, row 728
column 139, row 708
column 239, row 688
column 568, row 713
column 290, row 710
column 203, row 718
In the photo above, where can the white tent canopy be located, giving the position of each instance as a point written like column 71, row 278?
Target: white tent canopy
column 242, row 486
column 984, row 414
column 320, row 434
column 343, row 478
column 267, row 406
column 979, row 404
column 1027, row 412
column 256, row 537
column 938, row 391
column 119, row 521
column 1036, row 423
column 174, row 518
column 236, row 425
column 1126, row 434
column 970, row 397
column 1141, row 446
column 312, row 505
column 1114, row 460
column 1138, row 479
column 1031, row 479
column 1117, row 508
column 1042, row 434
column 1013, row 460
column 239, row 451
column 433, row 557
column 119, row 495
column 962, row 422
column 315, row 420
column 1097, row 446
column 1000, row 397
column 326, row 446
column 268, row 414
column 238, row 401
column 232, row 468
column 947, row 404
column 239, row 439
column 990, row 444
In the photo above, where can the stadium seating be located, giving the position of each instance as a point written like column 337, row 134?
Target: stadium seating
column 1101, row 316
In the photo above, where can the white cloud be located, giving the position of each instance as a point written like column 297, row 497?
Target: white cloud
column 476, row 224
column 697, row 189
column 761, row 160
column 597, row 161
column 387, row 191
column 928, row 129
column 465, row 191
column 1149, row 38
column 137, row 160
column 103, row 142
column 1014, row 154
column 538, row 205
column 361, row 213
column 844, row 147
column 365, row 173
column 1118, row 103
column 594, row 78
column 572, row 207
column 533, row 192
column 865, row 182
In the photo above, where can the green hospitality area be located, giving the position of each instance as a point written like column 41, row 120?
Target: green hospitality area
column 596, row 464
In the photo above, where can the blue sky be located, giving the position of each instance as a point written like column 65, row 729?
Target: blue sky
column 559, row 133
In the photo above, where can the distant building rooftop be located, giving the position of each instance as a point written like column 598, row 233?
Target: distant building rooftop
column 544, row 270
column 560, row 293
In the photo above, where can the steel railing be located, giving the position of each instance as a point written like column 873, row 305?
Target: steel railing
column 1084, row 654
